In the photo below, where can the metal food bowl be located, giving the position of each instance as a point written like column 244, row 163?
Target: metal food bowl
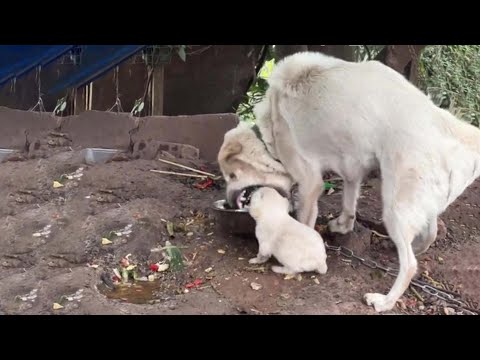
column 234, row 221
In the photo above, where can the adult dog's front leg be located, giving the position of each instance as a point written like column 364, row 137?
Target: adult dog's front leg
column 308, row 194
column 345, row 222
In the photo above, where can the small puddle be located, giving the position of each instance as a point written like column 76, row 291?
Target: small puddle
column 138, row 293
column 145, row 292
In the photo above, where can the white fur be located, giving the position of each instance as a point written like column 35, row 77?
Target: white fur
column 296, row 246
column 322, row 113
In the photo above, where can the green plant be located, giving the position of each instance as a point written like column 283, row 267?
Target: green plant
column 256, row 92
column 450, row 74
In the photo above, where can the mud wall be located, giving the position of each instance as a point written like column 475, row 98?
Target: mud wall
column 29, row 131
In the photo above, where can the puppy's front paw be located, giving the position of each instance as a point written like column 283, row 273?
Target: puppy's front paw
column 379, row 302
column 341, row 225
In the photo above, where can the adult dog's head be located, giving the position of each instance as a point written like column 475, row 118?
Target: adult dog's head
column 246, row 164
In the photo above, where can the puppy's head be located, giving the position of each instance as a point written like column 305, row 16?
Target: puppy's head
column 246, row 163
column 268, row 200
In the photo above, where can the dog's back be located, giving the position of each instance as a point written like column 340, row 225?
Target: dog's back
column 370, row 115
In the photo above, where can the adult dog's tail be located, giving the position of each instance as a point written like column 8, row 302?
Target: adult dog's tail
column 295, row 74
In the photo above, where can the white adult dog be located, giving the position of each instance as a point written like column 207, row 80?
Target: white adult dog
column 298, row 247
column 321, row 113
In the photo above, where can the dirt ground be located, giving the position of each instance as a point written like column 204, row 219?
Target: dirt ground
column 51, row 247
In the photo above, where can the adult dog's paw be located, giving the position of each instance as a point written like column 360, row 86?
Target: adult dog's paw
column 341, row 225
column 379, row 302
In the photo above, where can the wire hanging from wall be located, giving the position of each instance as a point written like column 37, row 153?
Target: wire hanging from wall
column 118, row 103
column 38, row 79
column 139, row 105
column 13, row 85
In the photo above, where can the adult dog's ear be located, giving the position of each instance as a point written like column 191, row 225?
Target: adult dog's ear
column 229, row 150
column 254, row 212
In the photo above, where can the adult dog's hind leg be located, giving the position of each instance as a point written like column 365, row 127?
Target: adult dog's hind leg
column 424, row 240
column 402, row 236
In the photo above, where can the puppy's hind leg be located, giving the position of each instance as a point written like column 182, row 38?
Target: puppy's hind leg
column 283, row 270
column 322, row 269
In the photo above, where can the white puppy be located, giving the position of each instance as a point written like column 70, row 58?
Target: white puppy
column 296, row 246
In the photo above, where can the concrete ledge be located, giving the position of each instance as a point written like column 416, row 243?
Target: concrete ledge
column 151, row 149
column 99, row 129
column 204, row 132
column 183, row 136
column 17, row 126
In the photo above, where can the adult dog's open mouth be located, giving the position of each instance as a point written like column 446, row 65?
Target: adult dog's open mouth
column 241, row 199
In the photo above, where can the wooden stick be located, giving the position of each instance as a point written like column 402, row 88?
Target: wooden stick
column 179, row 174
column 188, row 168
column 417, row 295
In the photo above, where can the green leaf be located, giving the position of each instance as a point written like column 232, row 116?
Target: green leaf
column 175, row 257
column 61, row 105
column 328, row 186
column 138, row 107
column 170, row 230
column 124, row 275
column 62, row 178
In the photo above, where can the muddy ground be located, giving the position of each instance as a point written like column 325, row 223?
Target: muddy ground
column 51, row 247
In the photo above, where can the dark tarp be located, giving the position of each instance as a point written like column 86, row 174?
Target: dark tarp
column 95, row 61
column 16, row 60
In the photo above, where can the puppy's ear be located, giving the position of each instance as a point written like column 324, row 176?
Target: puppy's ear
column 230, row 150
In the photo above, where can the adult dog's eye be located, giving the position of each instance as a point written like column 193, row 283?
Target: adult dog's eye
column 232, row 176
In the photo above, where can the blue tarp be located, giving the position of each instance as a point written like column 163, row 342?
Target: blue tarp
column 96, row 60
column 16, row 60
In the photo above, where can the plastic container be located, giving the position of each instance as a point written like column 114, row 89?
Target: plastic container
column 4, row 153
column 98, row 156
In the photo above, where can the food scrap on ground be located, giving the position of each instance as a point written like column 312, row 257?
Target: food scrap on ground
column 256, row 286
column 194, row 284
column 105, row 241
column 202, row 185
column 57, row 306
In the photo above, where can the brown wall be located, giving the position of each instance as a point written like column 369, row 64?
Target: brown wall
column 213, row 79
